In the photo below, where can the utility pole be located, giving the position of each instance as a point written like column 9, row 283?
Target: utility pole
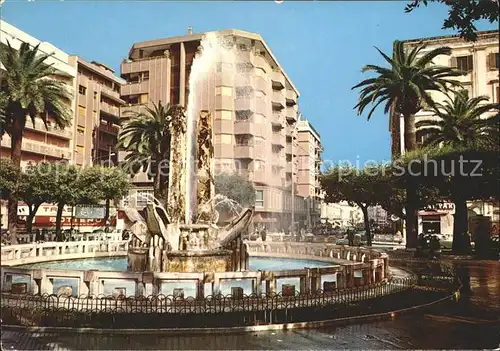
column 294, row 131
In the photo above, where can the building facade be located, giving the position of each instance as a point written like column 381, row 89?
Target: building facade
column 253, row 104
column 308, row 150
column 97, row 113
column 95, row 101
column 341, row 215
column 480, row 60
column 40, row 143
column 378, row 217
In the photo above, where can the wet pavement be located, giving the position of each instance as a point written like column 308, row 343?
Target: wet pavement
column 473, row 323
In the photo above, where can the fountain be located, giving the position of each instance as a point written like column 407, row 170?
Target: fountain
column 185, row 237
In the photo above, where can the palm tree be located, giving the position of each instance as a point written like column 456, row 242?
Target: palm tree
column 462, row 126
column 146, row 135
column 29, row 87
column 462, row 123
column 404, row 88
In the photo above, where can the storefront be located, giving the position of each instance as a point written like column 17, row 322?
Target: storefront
column 438, row 220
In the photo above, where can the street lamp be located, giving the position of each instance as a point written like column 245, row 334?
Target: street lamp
column 294, row 130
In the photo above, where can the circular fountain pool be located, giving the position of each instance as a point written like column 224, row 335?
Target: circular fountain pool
column 120, row 264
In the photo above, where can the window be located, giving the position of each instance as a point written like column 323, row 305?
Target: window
column 82, row 90
column 95, row 95
column 81, row 130
column 498, row 94
column 82, row 111
column 244, row 92
column 145, row 76
column 242, row 140
column 243, row 115
column 80, row 149
column 464, row 63
column 259, row 198
column 143, row 99
column 494, row 61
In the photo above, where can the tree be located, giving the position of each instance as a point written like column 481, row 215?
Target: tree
column 10, row 175
column 29, row 88
column 112, row 184
column 404, row 88
column 463, row 128
column 362, row 187
column 33, row 189
column 463, row 14
column 236, row 188
column 72, row 186
column 462, row 122
column 146, row 135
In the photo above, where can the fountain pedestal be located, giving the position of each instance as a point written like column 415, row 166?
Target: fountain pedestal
column 199, row 261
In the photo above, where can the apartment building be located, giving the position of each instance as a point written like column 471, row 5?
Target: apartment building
column 95, row 104
column 252, row 100
column 378, row 216
column 40, row 143
column 341, row 215
column 481, row 61
column 97, row 113
column 308, row 151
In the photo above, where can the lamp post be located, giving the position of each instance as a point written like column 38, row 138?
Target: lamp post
column 294, row 130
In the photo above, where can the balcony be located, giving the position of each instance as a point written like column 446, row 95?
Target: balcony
column 223, row 102
column 288, row 167
column 291, row 115
column 111, row 94
column 288, row 148
column 223, row 126
column 109, row 109
column 139, row 65
column 39, row 148
column 278, row 99
column 278, row 79
column 135, row 88
column 261, row 84
column 277, row 119
column 109, row 128
column 261, row 62
column 244, row 151
column 253, row 176
column 223, row 151
column 40, row 127
column 248, row 127
column 291, row 97
column 278, row 139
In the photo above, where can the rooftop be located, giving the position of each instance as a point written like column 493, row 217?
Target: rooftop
column 198, row 36
column 480, row 35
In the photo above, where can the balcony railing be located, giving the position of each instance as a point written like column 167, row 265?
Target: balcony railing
column 40, row 127
column 39, row 148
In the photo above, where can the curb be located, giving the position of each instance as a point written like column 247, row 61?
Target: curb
column 234, row 330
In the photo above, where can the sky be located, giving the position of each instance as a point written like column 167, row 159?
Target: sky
column 321, row 45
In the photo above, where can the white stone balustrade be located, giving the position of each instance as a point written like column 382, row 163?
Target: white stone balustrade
column 351, row 267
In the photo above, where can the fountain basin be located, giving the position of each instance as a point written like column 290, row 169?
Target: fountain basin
column 199, row 261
